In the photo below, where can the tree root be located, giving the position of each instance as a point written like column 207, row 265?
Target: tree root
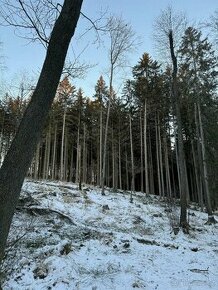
column 185, row 227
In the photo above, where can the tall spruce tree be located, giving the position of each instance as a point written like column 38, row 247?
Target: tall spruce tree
column 198, row 70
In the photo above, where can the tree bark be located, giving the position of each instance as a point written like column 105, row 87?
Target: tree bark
column 103, row 174
column 54, row 153
column 211, row 218
column 145, row 150
column 18, row 159
column 181, row 155
column 132, row 156
column 62, row 147
column 141, row 153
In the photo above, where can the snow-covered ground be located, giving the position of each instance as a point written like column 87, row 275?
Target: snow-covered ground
column 62, row 238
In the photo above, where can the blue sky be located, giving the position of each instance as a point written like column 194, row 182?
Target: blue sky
column 23, row 58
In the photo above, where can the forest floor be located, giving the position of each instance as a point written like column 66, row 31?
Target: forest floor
column 62, row 238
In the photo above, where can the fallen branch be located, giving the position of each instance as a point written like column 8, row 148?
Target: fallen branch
column 199, row 270
column 40, row 211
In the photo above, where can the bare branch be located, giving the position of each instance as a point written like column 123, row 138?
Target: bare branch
column 168, row 22
column 31, row 19
column 122, row 40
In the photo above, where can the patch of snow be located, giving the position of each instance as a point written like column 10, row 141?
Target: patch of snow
column 71, row 239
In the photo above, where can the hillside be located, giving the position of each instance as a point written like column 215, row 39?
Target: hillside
column 62, row 238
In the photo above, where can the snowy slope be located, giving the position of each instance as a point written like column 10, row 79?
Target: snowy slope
column 62, row 238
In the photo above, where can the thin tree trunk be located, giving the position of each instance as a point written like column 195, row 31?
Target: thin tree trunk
column 78, row 155
column 65, row 167
column 181, row 155
column 54, row 154
column 106, row 131
column 100, row 145
column 158, row 157
column 45, row 157
column 211, row 218
column 145, row 149
column 120, row 165
column 151, row 166
column 161, row 159
column 132, row 157
column 48, row 152
column 166, row 158
column 127, row 172
column 84, row 156
column 71, row 163
column 113, row 159
column 62, row 147
column 141, row 153
column 36, row 167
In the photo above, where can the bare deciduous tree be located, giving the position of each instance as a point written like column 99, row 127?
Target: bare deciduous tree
column 169, row 27
column 122, row 41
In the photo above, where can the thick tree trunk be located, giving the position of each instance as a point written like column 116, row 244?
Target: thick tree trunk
column 19, row 156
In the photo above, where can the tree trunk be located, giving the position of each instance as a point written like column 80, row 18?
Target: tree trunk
column 62, row 147
column 151, row 177
column 158, row 158
column 54, row 154
column 127, row 172
column 120, row 165
column 141, row 153
column 78, row 155
column 106, row 131
column 71, row 163
column 211, row 218
column 145, row 149
column 132, row 156
column 65, row 167
column 166, row 158
column 18, row 159
column 100, row 144
column 181, row 155
column 36, row 164
column 84, row 179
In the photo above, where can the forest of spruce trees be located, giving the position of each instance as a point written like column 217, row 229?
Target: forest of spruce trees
column 143, row 131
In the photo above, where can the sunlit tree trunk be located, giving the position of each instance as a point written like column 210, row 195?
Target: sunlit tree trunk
column 145, row 149
column 62, row 147
column 141, row 153
column 54, row 153
column 132, row 156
